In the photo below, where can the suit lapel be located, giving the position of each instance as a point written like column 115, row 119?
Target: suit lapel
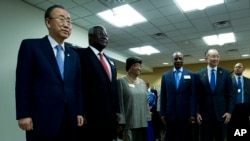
column 66, row 61
column 246, row 89
column 182, row 78
column 219, row 75
column 111, row 63
column 48, row 51
column 96, row 61
column 205, row 79
column 172, row 77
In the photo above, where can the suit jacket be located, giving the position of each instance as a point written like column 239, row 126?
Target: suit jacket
column 41, row 93
column 100, row 96
column 178, row 103
column 246, row 86
column 215, row 104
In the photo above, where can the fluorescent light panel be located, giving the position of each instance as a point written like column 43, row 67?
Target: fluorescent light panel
column 202, row 59
column 220, row 39
column 145, row 50
column 245, row 55
column 190, row 5
column 122, row 16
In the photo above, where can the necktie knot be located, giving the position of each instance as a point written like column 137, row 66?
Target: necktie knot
column 58, row 47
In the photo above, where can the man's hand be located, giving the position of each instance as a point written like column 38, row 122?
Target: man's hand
column 163, row 119
column 227, row 117
column 199, row 118
column 191, row 120
column 80, row 120
column 25, row 124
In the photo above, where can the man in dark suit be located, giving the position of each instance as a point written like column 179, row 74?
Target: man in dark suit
column 241, row 113
column 48, row 105
column 215, row 98
column 100, row 97
column 177, row 105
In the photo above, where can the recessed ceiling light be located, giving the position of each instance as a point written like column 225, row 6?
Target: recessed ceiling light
column 190, row 5
column 201, row 60
column 122, row 16
column 220, row 39
column 145, row 50
column 245, row 55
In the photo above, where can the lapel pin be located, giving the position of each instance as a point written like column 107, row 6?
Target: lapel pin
column 68, row 55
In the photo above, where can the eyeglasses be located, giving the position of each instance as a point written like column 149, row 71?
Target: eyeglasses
column 63, row 20
column 214, row 56
column 238, row 67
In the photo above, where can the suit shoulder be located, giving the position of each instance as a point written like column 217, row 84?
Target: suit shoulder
column 32, row 40
column 188, row 71
column 79, row 50
column 167, row 73
column 220, row 69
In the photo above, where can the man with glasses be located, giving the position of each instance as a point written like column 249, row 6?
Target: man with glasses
column 241, row 114
column 215, row 98
column 48, row 83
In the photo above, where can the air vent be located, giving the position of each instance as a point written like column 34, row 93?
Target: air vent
column 160, row 34
column 232, row 51
column 187, row 55
column 221, row 24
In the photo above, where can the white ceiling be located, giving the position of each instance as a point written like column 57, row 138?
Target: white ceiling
column 181, row 31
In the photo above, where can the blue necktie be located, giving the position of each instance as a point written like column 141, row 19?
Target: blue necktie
column 59, row 59
column 177, row 78
column 212, row 80
column 239, row 95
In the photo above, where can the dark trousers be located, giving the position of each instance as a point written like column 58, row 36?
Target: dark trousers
column 177, row 131
column 239, row 120
column 64, row 134
column 213, row 130
column 95, row 132
column 157, row 124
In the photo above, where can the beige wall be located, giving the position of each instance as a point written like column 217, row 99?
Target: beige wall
column 154, row 78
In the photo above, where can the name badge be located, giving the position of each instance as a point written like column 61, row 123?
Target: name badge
column 187, row 77
column 131, row 85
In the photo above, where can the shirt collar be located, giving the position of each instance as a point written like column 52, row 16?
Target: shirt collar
column 53, row 43
column 94, row 50
column 209, row 68
column 236, row 76
column 180, row 69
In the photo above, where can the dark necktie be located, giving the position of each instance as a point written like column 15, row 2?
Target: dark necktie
column 104, row 64
column 212, row 80
column 177, row 78
column 239, row 95
column 59, row 59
